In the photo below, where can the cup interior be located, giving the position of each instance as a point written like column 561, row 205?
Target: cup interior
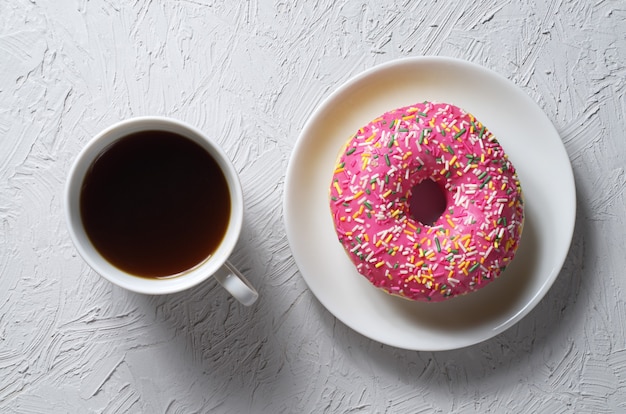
column 91, row 255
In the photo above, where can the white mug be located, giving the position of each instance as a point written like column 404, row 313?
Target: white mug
column 215, row 265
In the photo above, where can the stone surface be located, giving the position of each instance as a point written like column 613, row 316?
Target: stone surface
column 250, row 73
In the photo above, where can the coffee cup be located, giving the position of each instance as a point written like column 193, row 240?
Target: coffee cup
column 155, row 206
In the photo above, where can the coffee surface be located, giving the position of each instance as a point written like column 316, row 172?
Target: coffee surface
column 155, row 204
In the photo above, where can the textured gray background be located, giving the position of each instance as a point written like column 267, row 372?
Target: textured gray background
column 250, row 73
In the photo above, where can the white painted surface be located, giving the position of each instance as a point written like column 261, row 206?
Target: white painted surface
column 250, row 74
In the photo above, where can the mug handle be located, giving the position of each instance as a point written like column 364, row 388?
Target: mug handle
column 236, row 284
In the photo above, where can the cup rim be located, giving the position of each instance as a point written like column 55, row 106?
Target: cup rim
column 88, row 252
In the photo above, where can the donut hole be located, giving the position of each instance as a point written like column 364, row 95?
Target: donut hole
column 427, row 202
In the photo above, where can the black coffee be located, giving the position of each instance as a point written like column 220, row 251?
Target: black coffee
column 155, row 204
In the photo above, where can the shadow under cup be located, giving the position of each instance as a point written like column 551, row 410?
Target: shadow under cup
column 131, row 215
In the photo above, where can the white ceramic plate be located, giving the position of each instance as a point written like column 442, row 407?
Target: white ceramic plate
column 533, row 146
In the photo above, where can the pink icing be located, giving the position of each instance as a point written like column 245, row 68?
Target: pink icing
column 474, row 239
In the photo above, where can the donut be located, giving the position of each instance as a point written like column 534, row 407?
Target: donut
column 380, row 167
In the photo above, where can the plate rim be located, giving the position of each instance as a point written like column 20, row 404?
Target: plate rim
column 344, row 87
